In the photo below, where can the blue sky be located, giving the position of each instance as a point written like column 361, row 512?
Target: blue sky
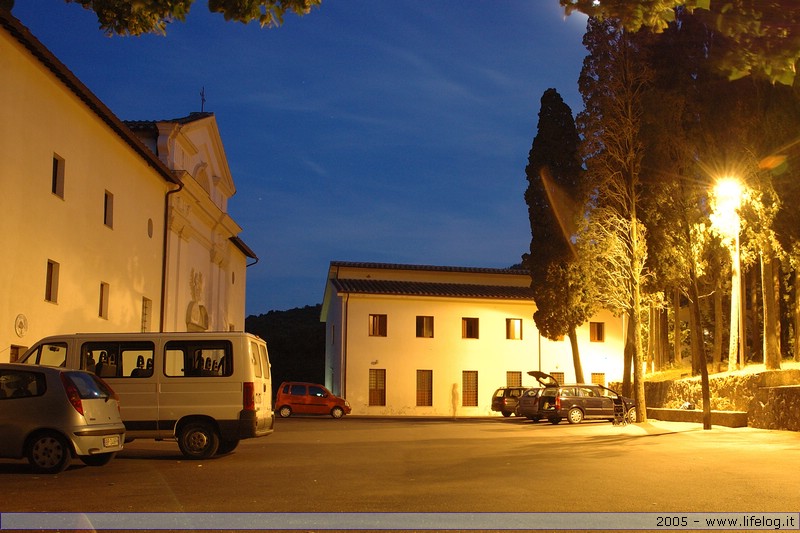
column 384, row 131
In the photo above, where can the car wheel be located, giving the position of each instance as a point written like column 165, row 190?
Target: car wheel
column 630, row 416
column 227, row 446
column 49, row 453
column 337, row 412
column 554, row 419
column 99, row 459
column 285, row 411
column 198, row 440
column 506, row 413
column 575, row 416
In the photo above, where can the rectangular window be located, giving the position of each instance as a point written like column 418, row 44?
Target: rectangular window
column 49, row 354
column 425, row 327
column 147, row 314
column 469, row 388
column 118, row 359
column 469, row 328
column 599, row 378
column 558, row 376
column 514, row 329
column 198, row 358
column 424, row 388
column 514, row 378
column 58, row 176
column 108, row 210
column 377, row 386
column 597, row 332
column 377, row 325
column 103, row 309
column 51, row 283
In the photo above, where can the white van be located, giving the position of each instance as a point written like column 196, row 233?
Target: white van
column 207, row 390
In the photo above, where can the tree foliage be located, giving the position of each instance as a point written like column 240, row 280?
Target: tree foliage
column 125, row 17
column 760, row 37
column 562, row 291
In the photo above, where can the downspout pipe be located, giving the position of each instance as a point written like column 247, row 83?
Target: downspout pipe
column 164, row 258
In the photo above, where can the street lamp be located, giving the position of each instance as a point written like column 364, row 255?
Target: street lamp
column 725, row 218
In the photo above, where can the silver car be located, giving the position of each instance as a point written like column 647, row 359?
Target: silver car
column 49, row 414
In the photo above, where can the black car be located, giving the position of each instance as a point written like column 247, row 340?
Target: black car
column 505, row 399
column 528, row 405
column 577, row 402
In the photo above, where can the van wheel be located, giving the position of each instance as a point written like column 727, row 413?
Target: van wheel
column 49, row 453
column 227, row 446
column 99, row 459
column 631, row 415
column 285, row 411
column 198, row 440
column 337, row 412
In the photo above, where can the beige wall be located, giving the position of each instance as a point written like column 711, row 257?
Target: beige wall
column 351, row 352
column 40, row 118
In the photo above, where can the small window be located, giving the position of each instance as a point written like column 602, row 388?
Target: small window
column 597, row 332
column 51, row 283
column 298, row 390
column 558, row 376
column 108, row 210
column 424, row 388
column 514, row 329
column 377, row 386
column 425, row 327
column 198, row 358
column 21, row 384
column 103, row 308
column 469, row 388
column 377, row 325
column 514, row 378
column 599, row 378
column 469, row 328
column 317, row 392
column 118, row 359
column 48, row 354
column 58, row 176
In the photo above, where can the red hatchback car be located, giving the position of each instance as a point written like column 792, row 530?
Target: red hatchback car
column 309, row 399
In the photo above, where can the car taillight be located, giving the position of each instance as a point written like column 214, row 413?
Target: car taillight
column 558, row 403
column 249, row 396
column 72, row 393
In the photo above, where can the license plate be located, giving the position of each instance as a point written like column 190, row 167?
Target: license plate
column 111, row 442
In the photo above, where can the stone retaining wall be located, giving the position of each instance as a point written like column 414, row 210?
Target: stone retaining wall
column 770, row 398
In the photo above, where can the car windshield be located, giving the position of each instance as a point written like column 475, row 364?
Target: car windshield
column 89, row 387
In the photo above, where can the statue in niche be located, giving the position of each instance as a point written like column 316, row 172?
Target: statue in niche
column 196, row 314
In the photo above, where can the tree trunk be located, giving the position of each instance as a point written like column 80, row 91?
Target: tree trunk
column 651, row 338
column 717, row 356
column 797, row 314
column 663, row 318
column 628, row 351
column 772, row 353
column 676, row 308
column 576, row 356
column 698, row 348
column 755, row 330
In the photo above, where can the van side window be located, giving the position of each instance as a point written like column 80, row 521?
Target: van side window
column 48, row 354
column 298, row 390
column 198, row 358
column 118, row 359
column 255, row 359
column 317, row 391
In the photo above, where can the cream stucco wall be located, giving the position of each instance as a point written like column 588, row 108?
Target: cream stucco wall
column 39, row 118
column 351, row 352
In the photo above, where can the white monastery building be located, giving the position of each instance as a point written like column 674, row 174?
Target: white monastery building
column 107, row 225
column 414, row 340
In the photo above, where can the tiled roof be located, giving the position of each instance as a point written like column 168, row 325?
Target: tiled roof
column 395, row 266
column 419, row 288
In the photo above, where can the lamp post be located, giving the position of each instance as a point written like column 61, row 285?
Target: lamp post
column 728, row 200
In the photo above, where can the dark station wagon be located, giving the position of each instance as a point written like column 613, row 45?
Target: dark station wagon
column 575, row 402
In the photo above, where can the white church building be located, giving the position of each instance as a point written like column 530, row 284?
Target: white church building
column 107, row 225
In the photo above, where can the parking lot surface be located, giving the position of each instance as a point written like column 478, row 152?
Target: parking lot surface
column 416, row 465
